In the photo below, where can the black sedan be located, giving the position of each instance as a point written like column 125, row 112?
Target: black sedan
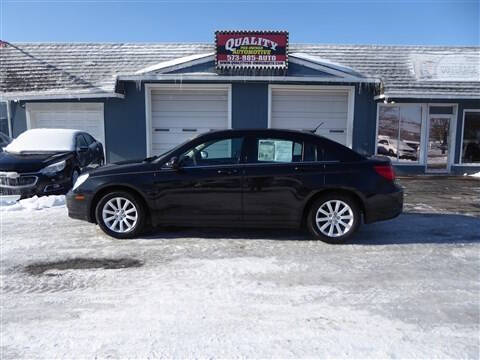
column 250, row 178
column 47, row 161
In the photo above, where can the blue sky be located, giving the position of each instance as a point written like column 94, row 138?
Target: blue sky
column 432, row 22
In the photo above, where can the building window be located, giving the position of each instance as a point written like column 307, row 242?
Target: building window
column 471, row 137
column 399, row 132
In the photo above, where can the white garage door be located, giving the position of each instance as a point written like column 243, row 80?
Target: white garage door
column 178, row 114
column 305, row 109
column 81, row 116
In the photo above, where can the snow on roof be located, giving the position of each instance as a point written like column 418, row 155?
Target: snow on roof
column 176, row 63
column 43, row 140
column 36, row 69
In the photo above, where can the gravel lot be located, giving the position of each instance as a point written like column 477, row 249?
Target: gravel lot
column 404, row 288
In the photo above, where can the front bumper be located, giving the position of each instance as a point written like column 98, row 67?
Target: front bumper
column 78, row 206
column 384, row 206
column 31, row 184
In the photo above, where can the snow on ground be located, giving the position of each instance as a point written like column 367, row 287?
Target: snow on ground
column 393, row 292
column 476, row 174
column 11, row 203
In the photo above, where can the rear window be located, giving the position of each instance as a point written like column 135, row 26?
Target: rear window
column 284, row 150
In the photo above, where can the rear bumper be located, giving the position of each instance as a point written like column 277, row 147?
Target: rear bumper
column 79, row 209
column 384, row 206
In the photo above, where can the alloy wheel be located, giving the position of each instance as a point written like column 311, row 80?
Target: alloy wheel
column 334, row 218
column 120, row 215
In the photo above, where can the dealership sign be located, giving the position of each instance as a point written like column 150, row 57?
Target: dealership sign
column 251, row 49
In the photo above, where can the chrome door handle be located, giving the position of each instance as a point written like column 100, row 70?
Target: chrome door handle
column 227, row 172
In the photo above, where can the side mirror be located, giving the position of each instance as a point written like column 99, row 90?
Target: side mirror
column 173, row 163
column 83, row 149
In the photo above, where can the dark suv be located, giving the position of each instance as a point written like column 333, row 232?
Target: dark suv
column 252, row 178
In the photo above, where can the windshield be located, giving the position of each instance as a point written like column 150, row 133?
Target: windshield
column 43, row 140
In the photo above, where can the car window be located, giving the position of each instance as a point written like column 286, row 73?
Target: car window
column 89, row 139
column 4, row 140
column 80, row 141
column 214, row 152
column 310, row 152
column 278, row 150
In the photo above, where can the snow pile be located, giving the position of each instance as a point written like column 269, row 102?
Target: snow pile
column 43, row 140
column 476, row 174
column 33, row 203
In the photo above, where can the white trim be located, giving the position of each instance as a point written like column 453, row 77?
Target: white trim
column 424, row 96
column 223, row 78
column 37, row 106
column 61, row 96
column 350, row 91
column 320, row 64
column 179, row 63
column 452, row 135
column 9, row 119
column 148, row 102
column 461, row 140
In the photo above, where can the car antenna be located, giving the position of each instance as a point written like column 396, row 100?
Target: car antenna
column 315, row 130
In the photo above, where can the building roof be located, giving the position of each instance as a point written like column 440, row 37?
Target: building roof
column 32, row 70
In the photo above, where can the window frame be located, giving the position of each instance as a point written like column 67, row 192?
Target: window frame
column 423, row 131
column 184, row 150
column 460, row 162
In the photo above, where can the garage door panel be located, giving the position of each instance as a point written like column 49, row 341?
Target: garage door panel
column 181, row 114
column 200, row 105
column 306, row 109
column 87, row 117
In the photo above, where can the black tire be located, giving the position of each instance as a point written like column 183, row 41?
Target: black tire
column 322, row 203
column 138, row 226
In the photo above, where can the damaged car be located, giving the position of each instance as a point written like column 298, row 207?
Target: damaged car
column 47, row 161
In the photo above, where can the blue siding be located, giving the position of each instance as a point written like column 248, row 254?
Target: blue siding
column 249, row 106
column 364, row 120
column 125, row 125
column 19, row 118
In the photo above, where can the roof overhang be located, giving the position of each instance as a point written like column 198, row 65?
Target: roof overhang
column 55, row 96
column 424, row 96
column 162, row 71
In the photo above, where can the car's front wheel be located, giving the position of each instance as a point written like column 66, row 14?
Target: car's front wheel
column 334, row 218
column 120, row 215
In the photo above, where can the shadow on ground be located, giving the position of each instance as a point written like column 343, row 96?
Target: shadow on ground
column 82, row 264
column 408, row 228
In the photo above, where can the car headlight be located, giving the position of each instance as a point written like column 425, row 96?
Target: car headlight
column 54, row 168
column 80, row 180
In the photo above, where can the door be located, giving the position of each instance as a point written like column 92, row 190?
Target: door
column 82, row 149
column 278, row 176
column 181, row 113
column 86, row 117
column 306, row 109
column 439, row 142
column 205, row 189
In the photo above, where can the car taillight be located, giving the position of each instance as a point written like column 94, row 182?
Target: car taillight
column 385, row 171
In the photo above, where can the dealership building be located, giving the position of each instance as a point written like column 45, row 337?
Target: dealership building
column 419, row 105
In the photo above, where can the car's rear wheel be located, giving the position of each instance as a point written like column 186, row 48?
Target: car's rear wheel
column 120, row 215
column 334, row 218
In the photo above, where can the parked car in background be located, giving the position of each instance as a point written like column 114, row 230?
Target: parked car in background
column 4, row 141
column 251, row 178
column 47, row 161
column 392, row 147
